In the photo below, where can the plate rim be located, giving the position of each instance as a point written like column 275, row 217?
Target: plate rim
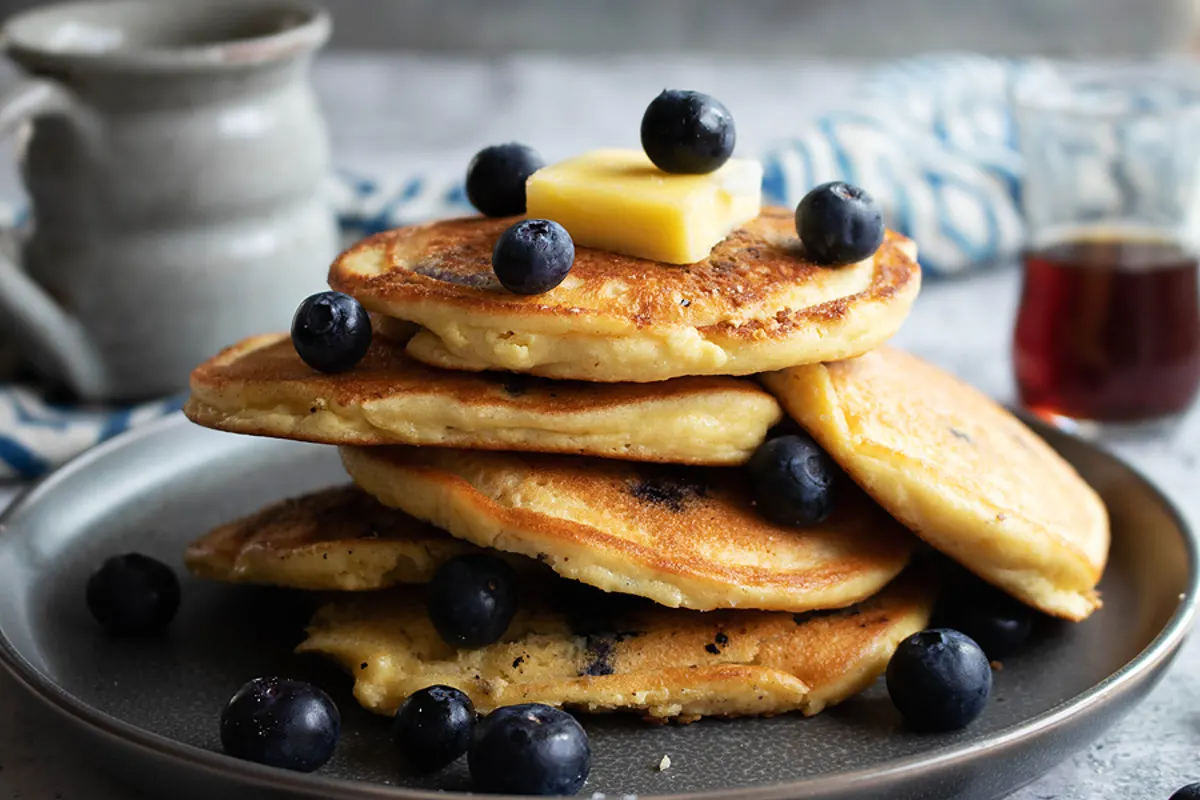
column 1145, row 665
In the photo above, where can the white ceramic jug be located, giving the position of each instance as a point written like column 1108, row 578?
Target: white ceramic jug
column 175, row 165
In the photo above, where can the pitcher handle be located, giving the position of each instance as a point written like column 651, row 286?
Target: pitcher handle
column 34, row 313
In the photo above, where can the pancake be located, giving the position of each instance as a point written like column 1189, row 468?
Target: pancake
column 681, row 536
column 663, row 663
column 336, row 539
column 962, row 472
column 260, row 386
column 755, row 304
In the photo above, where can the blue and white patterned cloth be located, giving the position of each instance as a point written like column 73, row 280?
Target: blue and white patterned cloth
column 934, row 141
column 931, row 138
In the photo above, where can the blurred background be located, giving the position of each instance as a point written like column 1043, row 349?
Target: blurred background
column 857, row 29
column 427, row 80
column 453, row 62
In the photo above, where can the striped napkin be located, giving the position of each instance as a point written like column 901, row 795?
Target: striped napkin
column 931, row 138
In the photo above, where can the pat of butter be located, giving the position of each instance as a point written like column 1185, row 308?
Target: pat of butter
column 617, row 200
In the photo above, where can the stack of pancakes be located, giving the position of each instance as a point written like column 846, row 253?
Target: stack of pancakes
column 593, row 436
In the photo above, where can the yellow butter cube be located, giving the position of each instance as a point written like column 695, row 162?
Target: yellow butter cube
column 617, row 200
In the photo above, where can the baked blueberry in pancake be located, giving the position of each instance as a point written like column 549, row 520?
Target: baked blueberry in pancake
column 604, row 653
column 685, row 537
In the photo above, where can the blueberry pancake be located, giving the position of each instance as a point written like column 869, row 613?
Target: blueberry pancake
column 260, row 386
column 335, row 539
column 960, row 471
column 597, row 653
column 755, row 303
column 681, row 536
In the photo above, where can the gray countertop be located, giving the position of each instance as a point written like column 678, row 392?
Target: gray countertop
column 396, row 114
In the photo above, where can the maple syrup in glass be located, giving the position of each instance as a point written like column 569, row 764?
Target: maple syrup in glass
column 1107, row 334
column 1108, row 330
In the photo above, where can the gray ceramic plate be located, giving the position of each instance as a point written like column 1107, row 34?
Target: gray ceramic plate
column 148, row 710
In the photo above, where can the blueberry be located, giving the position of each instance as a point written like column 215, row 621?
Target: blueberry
column 939, row 680
column 997, row 622
column 839, row 224
column 1189, row 792
column 433, row 727
column 795, row 482
column 496, row 178
column 331, row 332
column 687, row 132
column 533, row 256
column 472, row 599
column 529, row 749
column 133, row 594
column 281, row 723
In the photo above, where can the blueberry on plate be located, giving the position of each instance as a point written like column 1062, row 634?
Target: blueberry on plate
column 472, row 599
column 331, row 331
column 1189, row 792
column 133, row 594
column 433, row 727
column 282, row 723
column 839, row 224
column 496, row 178
column 795, row 482
column 533, row 256
column 998, row 623
column 939, row 680
column 687, row 132
column 529, row 749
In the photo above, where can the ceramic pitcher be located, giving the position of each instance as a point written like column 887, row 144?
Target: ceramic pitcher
column 174, row 161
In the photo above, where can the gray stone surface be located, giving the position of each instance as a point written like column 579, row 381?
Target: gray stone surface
column 387, row 117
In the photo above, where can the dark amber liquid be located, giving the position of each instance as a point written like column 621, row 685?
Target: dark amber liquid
column 1109, row 330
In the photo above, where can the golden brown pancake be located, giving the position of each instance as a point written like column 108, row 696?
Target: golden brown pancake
column 583, row 653
column 681, row 536
column 959, row 470
column 260, row 386
column 336, row 539
column 755, row 304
